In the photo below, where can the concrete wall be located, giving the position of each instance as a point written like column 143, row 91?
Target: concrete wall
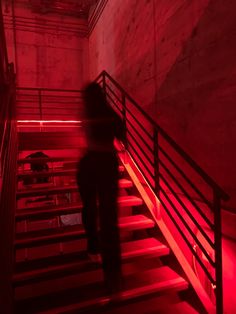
column 51, row 50
column 177, row 59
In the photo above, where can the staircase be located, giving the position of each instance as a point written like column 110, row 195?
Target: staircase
column 52, row 271
column 169, row 216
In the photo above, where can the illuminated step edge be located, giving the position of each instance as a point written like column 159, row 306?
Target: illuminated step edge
column 62, row 234
column 149, row 246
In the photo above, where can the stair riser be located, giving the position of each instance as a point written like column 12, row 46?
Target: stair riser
column 65, row 270
column 50, row 140
column 133, row 288
column 29, row 243
column 123, row 184
column 63, row 237
column 55, row 173
column 66, row 211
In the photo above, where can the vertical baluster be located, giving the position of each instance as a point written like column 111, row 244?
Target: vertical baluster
column 124, row 117
column 40, row 105
column 218, row 253
column 104, row 82
column 40, row 111
column 156, row 162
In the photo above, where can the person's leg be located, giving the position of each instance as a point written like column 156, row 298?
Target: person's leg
column 87, row 189
column 110, row 242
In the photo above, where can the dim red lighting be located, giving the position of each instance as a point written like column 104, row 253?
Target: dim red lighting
column 49, row 121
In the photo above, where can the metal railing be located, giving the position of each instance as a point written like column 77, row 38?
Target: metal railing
column 8, row 156
column 3, row 52
column 48, row 104
column 7, row 212
column 189, row 197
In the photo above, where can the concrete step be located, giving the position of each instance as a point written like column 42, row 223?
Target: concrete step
column 86, row 290
column 73, row 160
column 46, row 212
column 152, row 281
column 72, row 171
column 52, row 211
column 76, row 250
column 132, row 249
column 50, row 190
column 63, row 234
column 152, row 305
column 163, row 304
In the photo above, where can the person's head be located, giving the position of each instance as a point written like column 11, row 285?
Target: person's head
column 94, row 98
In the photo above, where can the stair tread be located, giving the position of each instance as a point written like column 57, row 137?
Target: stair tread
column 135, row 222
column 50, row 173
column 46, row 190
column 56, row 172
column 143, row 247
column 48, row 211
column 153, row 306
column 149, row 246
column 123, row 183
column 136, row 284
column 152, row 278
column 123, row 222
column 48, row 159
column 129, row 249
column 179, row 308
column 63, row 233
column 164, row 304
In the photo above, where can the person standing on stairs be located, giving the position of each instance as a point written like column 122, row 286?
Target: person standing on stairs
column 98, row 185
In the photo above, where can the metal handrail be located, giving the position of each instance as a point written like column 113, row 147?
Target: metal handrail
column 176, row 146
column 49, row 89
column 136, row 144
column 42, row 103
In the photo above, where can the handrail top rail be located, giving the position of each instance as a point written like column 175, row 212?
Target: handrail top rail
column 180, row 150
column 49, row 89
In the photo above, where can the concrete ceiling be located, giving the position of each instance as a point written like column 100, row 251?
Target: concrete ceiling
column 76, row 8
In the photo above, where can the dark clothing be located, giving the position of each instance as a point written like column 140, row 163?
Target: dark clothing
column 102, row 129
column 98, row 185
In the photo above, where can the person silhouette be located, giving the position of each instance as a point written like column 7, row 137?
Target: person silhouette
column 98, row 185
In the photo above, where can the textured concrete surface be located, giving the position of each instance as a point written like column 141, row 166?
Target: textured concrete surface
column 51, row 50
column 177, row 59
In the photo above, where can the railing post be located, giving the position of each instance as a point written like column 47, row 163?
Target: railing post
column 218, row 254
column 124, row 120
column 104, row 82
column 40, row 111
column 156, row 162
column 40, row 105
column 7, row 206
